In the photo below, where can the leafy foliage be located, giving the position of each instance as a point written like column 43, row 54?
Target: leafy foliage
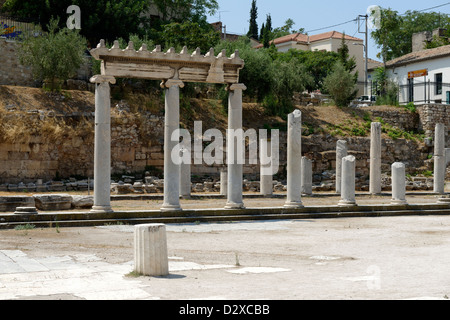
column 340, row 84
column 394, row 37
column 253, row 24
column 55, row 56
column 100, row 19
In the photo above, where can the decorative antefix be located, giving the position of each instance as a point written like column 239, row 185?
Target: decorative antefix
column 157, row 65
column 174, row 69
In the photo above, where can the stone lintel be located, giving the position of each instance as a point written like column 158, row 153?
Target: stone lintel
column 102, row 79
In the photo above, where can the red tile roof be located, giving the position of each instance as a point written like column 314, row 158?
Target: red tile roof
column 305, row 39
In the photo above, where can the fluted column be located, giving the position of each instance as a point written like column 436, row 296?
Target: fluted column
column 171, row 123
column 235, row 169
column 102, row 148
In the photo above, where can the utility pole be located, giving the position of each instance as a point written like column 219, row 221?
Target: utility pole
column 366, row 49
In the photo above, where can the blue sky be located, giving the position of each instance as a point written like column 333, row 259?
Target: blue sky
column 313, row 15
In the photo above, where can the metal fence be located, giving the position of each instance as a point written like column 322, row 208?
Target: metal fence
column 424, row 92
column 15, row 29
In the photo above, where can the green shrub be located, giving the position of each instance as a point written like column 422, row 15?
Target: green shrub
column 54, row 57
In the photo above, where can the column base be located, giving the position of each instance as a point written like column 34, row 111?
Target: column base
column 346, row 203
column 232, row 205
column 101, row 209
column 294, row 205
column 399, row 202
column 169, row 208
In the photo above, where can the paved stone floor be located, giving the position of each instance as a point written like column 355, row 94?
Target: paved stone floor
column 324, row 259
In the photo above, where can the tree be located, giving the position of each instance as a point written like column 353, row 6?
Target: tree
column 348, row 62
column 318, row 64
column 394, row 35
column 182, row 10
column 253, row 26
column 100, row 19
column 267, row 32
column 189, row 34
column 340, row 84
column 285, row 30
column 55, row 56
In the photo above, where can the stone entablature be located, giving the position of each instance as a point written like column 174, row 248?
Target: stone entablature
column 157, row 65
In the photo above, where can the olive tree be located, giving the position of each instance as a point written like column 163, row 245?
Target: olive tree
column 54, row 56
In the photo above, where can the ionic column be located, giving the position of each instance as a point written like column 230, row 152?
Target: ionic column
column 398, row 184
column 235, row 170
column 348, row 182
column 375, row 158
column 171, row 123
column 294, row 160
column 341, row 152
column 440, row 160
column 102, row 148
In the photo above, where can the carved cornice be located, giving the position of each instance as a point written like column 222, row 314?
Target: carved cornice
column 157, row 65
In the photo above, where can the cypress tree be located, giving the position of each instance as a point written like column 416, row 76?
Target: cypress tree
column 253, row 28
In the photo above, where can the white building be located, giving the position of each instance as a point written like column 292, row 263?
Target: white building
column 423, row 76
column 328, row 41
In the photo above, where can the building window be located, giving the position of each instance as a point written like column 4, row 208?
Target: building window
column 438, row 81
column 411, row 90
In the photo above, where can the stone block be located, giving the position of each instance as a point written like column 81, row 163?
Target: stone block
column 53, row 202
column 150, row 250
column 82, row 202
column 10, row 203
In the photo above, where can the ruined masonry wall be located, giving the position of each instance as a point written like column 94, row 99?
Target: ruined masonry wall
column 11, row 71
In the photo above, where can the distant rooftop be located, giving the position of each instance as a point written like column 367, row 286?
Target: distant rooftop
column 306, row 39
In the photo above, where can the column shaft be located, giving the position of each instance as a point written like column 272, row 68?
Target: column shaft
column 398, row 184
column 102, row 148
column 294, row 160
column 171, row 123
column 235, row 169
column 375, row 158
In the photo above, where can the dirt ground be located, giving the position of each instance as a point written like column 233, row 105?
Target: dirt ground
column 384, row 258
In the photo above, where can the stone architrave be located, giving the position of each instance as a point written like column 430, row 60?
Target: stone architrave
column 375, row 158
column 294, row 160
column 341, row 152
column 348, row 182
column 172, row 123
column 440, row 160
column 307, row 176
column 398, row 184
column 266, row 180
column 174, row 69
column 150, row 250
column 102, row 149
column 235, row 169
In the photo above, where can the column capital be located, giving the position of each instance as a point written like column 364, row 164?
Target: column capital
column 236, row 86
column 171, row 82
column 102, row 79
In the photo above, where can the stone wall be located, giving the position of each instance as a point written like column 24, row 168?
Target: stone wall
column 11, row 71
column 137, row 146
column 430, row 115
